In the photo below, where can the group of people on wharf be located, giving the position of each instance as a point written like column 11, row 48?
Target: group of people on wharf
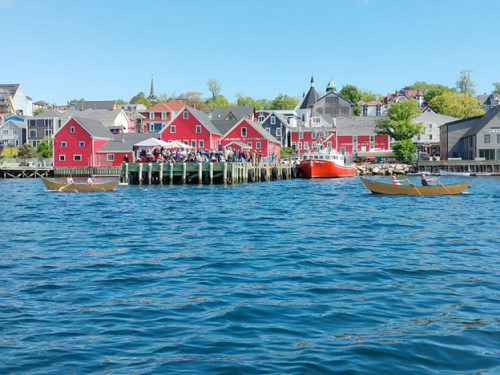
column 163, row 155
column 423, row 180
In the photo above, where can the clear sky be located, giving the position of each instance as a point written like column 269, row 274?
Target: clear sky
column 108, row 49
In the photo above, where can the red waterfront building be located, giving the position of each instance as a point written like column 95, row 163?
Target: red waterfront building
column 254, row 136
column 77, row 141
column 193, row 128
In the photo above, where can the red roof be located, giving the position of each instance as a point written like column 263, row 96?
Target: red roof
column 374, row 102
column 160, row 107
column 176, row 105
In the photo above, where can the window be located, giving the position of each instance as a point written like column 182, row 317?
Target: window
column 430, row 137
column 430, row 126
column 151, row 128
column 418, row 137
column 151, row 115
column 486, row 138
column 301, row 135
column 64, row 144
column 72, row 129
column 316, row 120
column 261, row 118
column 249, row 144
column 15, row 132
column 329, row 144
column 273, row 120
column 355, row 139
column 62, row 157
column 487, row 154
column 164, row 115
column 110, row 157
column 345, row 110
column 185, row 115
column 77, row 157
column 172, row 129
column 193, row 144
column 198, row 128
column 257, row 145
column 81, row 144
column 243, row 132
column 32, row 133
column 498, row 138
column 313, row 134
column 300, row 145
column 186, row 142
column 314, row 145
column 306, row 145
column 372, row 138
column 5, row 132
column 201, row 144
column 278, row 132
column 378, row 110
column 47, row 132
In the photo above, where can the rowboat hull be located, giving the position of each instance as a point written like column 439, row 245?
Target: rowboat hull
column 81, row 188
column 382, row 188
column 325, row 169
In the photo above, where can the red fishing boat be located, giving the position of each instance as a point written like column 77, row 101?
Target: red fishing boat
column 325, row 163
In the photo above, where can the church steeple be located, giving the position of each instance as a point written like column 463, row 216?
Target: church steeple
column 331, row 87
column 312, row 81
column 152, row 97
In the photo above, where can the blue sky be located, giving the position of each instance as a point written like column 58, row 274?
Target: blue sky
column 108, row 49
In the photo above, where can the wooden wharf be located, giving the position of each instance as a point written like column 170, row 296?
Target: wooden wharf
column 205, row 173
column 25, row 172
column 473, row 166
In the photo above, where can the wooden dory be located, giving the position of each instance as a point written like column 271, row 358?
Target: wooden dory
column 81, row 188
column 382, row 188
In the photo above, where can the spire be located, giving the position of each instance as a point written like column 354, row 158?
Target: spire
column 331, row 86
column 312, row 81
column 152, row 96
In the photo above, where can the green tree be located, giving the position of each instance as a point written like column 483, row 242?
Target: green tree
column 405, row 150
column 431, row 90
column 27, row 151
column 144, row 101
column 368, row 96
column 400, row 125
column 139, row 96
column 465, row 84
column 37, row 111
column 44, row 148
column 214, row 87
column 121, row 102
column 284, row 102
column 73, row 101
column 42, row 103
column 286, row 152
column 194, row 97
column 220, row 101
column 496, row 91
column 353, row 94
column 263, row 104
column 454, row 104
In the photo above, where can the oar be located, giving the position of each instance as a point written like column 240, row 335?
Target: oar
column 440, row 183
column 418, row 191
column 65, row 186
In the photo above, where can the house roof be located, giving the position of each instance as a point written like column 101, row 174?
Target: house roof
column 11, row 88
column 160, row 107
column 204, row 120
column 124, row 142
column 358, row 125
column 434, row 117
column 310, row 98
column 98, row 104
column 482, row 121
column 98, row 114
column 19, row 124
column 48, row 113
column 94, row 127
column 257, row 127
column 220, row 114
column 176, row 105
column 374, row 102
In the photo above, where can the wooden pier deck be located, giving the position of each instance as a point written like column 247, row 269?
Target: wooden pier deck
column 25, row 172
column 473, row 166
column 205, row 173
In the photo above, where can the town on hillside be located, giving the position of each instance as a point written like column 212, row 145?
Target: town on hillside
column 104, row 132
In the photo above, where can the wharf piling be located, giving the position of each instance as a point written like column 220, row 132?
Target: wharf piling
column 205, row 173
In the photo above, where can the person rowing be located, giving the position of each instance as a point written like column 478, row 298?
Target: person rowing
column 395, row 181
column 425, row 181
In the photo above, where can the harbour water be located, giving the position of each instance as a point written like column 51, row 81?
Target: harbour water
column 285, row 277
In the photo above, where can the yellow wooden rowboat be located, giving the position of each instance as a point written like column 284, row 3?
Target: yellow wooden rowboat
column 382, row 188
column 81, row 188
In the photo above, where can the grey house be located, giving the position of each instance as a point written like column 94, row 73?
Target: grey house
column 13, row 133
column 43, row 125
column 277, row 125
column 473, row 138
column 224, row 118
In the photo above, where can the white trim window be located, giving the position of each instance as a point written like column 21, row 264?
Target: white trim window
column 62, row 157
column 186, row 142
column 110, row 157
column 278, row 132
column 301, row 135
column 306, row 145
column 201, row 143
column 164, row 115
column 172, row 129
column 300, row 145
column 244, row 132
column 257, row 145
column 198, row 128
column 151, row 115
column 32, row 133
column 261, row 118
column 193, row 143
column 81, row 144
column 72, row 129
column 185, row 115
column 151, row 128
column 273, row 120
column 64, row 144
column 77, row 157
column 249, row 144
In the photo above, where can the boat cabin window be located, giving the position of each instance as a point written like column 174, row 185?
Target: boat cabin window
column 305, row 157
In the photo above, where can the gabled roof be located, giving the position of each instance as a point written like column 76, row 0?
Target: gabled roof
column 160, row 107
column 19, row 124
column 124, row 142
column 358, row 125
column 310, row 98
column 94, row 127
column 98, row 114
column 220, row 114
column 257, row 127
column 374, row 102
column 11, row 88
column 482, row 121
column 48, row 113
column 200, row 116
column 98, row 104
column 176, row 105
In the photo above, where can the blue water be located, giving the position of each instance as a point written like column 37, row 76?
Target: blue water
column 286, row 277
